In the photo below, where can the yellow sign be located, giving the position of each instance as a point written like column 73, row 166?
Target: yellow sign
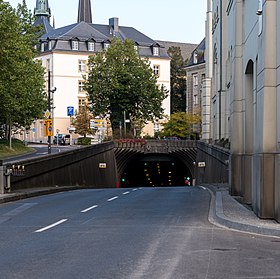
column 98, row 123
column 47, row 114
column 48, row 128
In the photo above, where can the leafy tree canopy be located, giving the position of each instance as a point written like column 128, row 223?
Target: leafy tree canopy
column 119, row 80
column 181, row 125
column 82, row 121
column 21, row 77
column 177, row 80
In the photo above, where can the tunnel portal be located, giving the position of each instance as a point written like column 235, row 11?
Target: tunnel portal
column 155, row 170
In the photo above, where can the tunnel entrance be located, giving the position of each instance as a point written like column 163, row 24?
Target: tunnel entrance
column 155, row 170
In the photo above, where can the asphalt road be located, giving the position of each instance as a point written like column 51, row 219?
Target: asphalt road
column 40, row 150
column 151, row 233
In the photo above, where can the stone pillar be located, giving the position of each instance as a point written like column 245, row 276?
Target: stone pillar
column 236, row 106
column 264, row 168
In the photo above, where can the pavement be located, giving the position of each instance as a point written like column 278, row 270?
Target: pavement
column 225, row 211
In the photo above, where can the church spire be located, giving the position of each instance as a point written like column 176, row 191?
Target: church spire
column 42, row 9
column 84, row 13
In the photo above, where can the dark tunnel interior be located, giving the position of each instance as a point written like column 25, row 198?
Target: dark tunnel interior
column 155, row 170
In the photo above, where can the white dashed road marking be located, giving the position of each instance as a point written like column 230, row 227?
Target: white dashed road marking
column 112, row 198
column 125, row 193
column 51, row 226
column 88, row 209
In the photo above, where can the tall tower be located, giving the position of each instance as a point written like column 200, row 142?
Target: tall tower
column 42, row 9
column 42, row 13
column 84, row 13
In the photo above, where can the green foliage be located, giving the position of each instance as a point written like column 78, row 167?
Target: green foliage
column 120, row 81
column 21, row 78
column 82, row 121
column 18, row 148
column 177, row 80
column 84, row 141
column 180, row 125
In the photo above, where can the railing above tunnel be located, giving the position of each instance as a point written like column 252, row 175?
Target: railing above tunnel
column 155, row 146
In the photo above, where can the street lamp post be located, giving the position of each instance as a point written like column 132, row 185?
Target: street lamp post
column 50, row 111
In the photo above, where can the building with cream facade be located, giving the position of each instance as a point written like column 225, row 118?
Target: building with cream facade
column 64, row 53
column 247, row 54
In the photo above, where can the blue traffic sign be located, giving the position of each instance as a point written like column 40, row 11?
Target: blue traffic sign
column 70, row 111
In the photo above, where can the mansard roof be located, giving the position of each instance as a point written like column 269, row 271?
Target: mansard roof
column 83, row 31
column 199, row 52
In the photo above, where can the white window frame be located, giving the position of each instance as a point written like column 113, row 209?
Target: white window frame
column 91, row 46
column 106, row 45
column 82, row 66
column 75, row 45
column 42, row 47
column 81, row 86
column 155, row 51
column 156, row 70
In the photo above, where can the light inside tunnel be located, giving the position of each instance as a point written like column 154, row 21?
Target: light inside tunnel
column 157, row 170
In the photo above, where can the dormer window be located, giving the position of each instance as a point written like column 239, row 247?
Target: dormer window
column 75, row 45
column 195, row 57
column 90, row 46
column 106, row 45
column 42, row 47
column 50, row 45
column 136, row 48
column 156, row 51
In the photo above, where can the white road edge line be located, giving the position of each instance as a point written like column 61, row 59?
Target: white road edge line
column 88, row 209
column 125, row 193
column 112, row 198
column 51, row 226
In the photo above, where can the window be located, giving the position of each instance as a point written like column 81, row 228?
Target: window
column 75, row 45
column 90, row 46
column 156, row 70
column 82, row 102
column 48, row 65
column 106, row 45
column 81, row 86
column 42, row 47
column 50, row 45
column 136, row 48
column 195, row 57
column 82, row 66
column 195, row 90
column 155, row 51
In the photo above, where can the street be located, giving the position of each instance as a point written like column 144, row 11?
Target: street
column 151, row 233
column 41, row 150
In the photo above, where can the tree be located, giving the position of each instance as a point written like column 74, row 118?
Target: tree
column 82, row 121
column 178, row 80
column 120, row 81
column 182, row 125
column 22, row 94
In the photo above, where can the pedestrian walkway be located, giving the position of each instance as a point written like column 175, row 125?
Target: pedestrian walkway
column 228, row 211
column 225, row 210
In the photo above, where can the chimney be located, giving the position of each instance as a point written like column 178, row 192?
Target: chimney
column 114, row 23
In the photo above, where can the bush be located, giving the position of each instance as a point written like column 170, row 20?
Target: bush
column 84, row 141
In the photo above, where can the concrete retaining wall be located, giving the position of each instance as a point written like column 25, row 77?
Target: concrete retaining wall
column 216, row 160
column 78, row 167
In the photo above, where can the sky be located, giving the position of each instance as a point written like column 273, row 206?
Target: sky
column 167, row 20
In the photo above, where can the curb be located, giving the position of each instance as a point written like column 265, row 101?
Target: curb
column 218, row 218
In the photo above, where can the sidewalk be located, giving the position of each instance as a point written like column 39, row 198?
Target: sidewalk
column 226, row 211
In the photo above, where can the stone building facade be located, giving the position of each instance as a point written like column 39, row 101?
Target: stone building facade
column 250, row 101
